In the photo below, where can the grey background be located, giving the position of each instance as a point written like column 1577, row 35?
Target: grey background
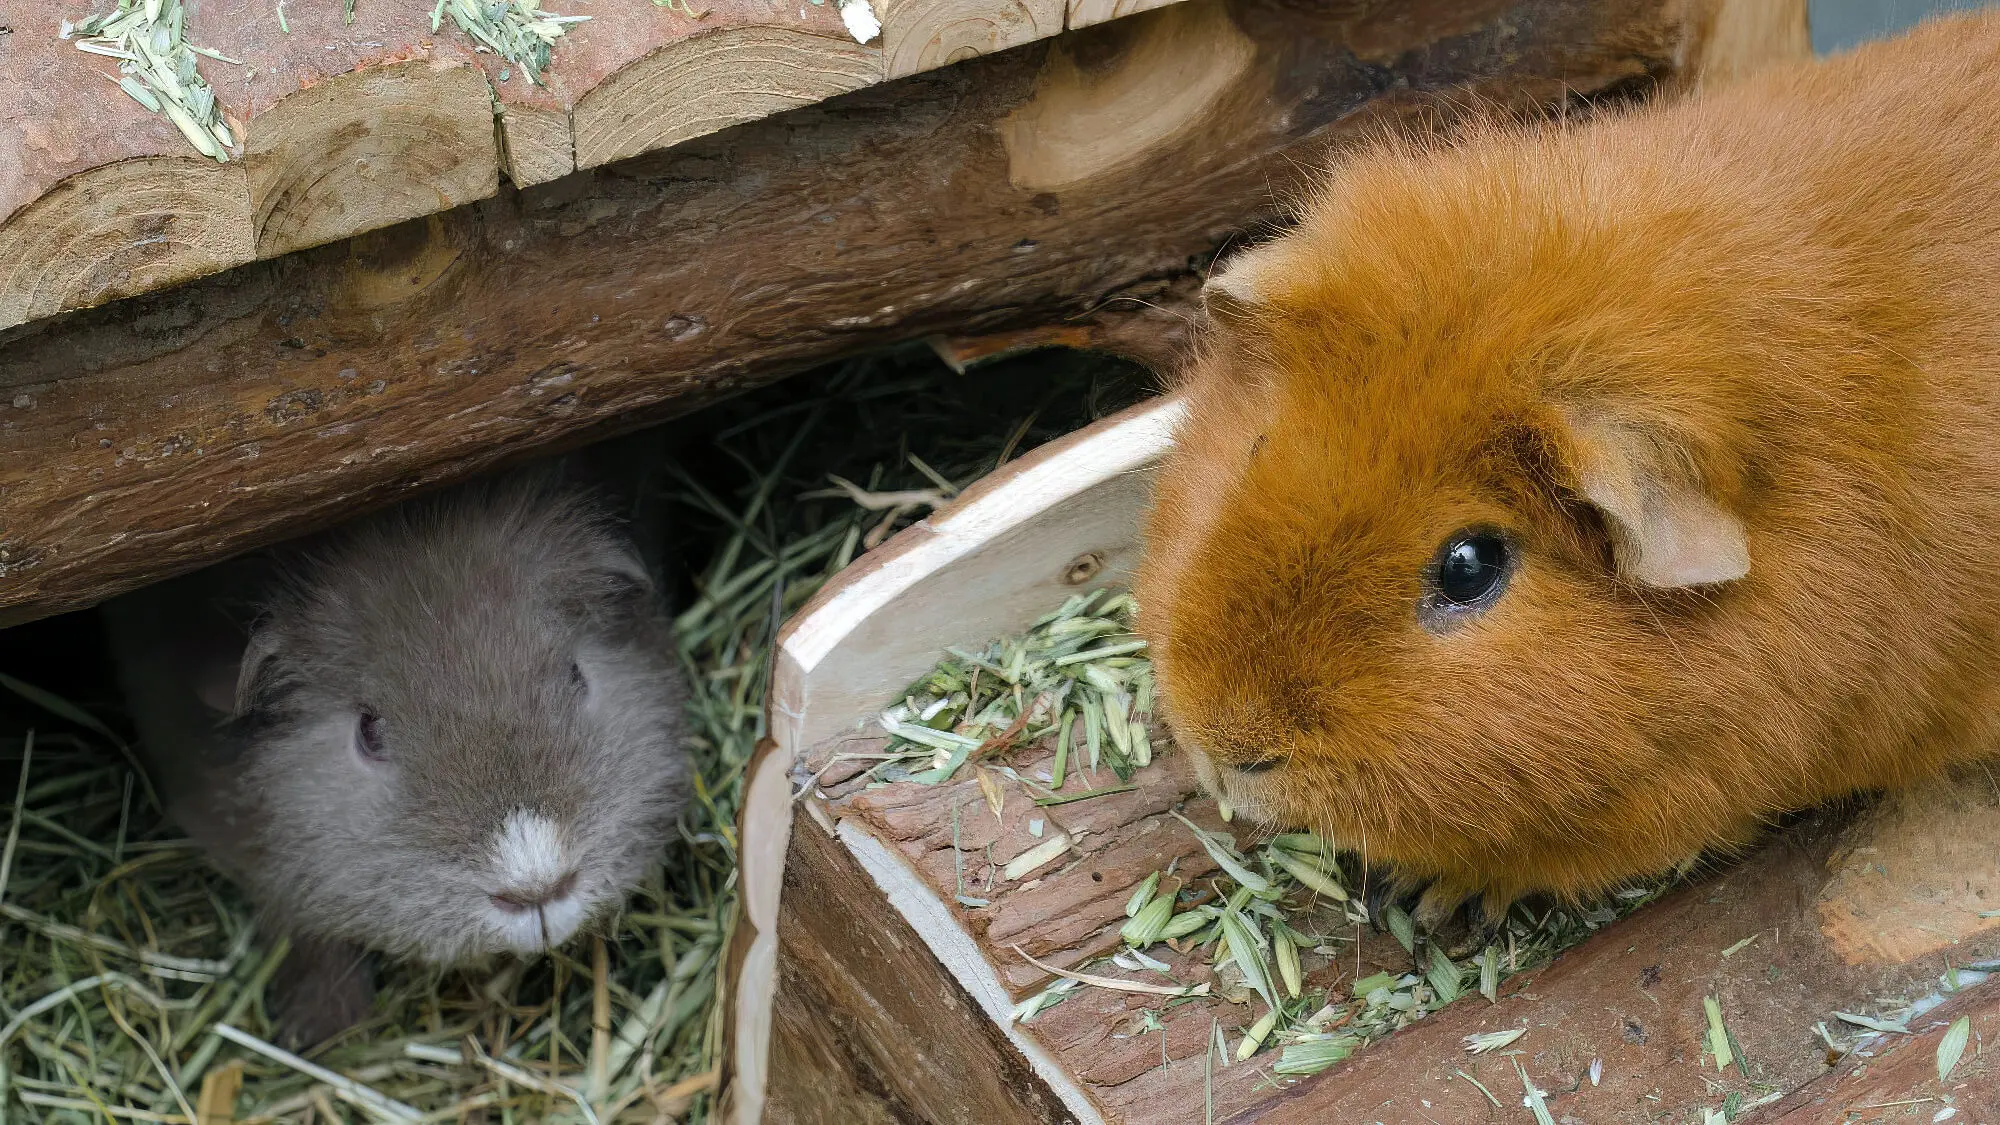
column 1840, row 24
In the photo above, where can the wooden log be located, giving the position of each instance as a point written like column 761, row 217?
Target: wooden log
column 918, row 35
column 108, row 209
column 1829, row 917
column 1083, row 13
column 184, row 426
column 346, row 127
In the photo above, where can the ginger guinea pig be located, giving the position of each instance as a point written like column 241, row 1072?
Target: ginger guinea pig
column 453, row 729
column 1554, row 506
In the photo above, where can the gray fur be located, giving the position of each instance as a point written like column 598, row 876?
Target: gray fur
column 454, row 619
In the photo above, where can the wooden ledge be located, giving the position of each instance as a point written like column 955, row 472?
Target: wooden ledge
column 866, row 986
column 347, row 128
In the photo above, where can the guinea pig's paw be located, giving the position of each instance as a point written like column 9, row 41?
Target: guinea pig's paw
column 1382, row 889
column 323, row 988
column 1460, row 923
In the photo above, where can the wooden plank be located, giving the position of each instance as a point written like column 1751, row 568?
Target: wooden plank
column 91, row 213
column 919, row 35
column 1834, row 914
column 193, row 424
column 637, row 77
column 1083, row 13
column 884, row 1017
column 711, row 81
column 348, row 127
column 1898, row 1080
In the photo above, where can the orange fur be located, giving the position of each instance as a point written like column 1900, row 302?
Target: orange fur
column 1789, row 291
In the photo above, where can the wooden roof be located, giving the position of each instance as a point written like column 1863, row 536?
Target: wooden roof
column 345, row 127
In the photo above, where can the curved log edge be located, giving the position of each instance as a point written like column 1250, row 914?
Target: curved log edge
column 346, row 128
column 181, row 427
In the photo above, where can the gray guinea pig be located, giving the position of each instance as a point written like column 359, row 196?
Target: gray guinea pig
column 450, row 730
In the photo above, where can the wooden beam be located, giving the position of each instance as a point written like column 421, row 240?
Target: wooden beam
column 183, row 426
column 346, row 127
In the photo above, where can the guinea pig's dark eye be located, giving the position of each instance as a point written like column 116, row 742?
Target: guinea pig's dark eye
column 1469, row 572
column 1471, row 566
column 368, row 737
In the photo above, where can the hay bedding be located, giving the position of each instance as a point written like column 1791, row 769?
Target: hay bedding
column 132, row 982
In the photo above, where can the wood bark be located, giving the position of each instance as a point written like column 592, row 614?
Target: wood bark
column 184, row 426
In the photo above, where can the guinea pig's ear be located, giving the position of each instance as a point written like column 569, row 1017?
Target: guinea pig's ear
column 617, row 588
column 252, row 674
column 1242, row 284
column 1668, row 531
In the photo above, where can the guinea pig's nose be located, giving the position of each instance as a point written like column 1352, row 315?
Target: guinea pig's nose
column 526, row 900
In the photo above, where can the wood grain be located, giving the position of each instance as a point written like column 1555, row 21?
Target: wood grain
column 1899, row 1080
column 350, row 127
column 1083, row 13
column 97, row 210
column 1835, row 915
column 881, row 1031
column 188, row 425
column 1092, row 116
column 708, row 82
column 918, row 35
column 637, row 76
column 369, row 149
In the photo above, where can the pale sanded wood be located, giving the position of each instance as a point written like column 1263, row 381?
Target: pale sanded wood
column 1083, row 13
column 710, row 81
column 919, row 35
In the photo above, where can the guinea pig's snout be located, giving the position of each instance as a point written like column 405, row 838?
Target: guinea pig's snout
column 534, row 896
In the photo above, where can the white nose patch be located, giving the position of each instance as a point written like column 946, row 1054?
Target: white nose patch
column 528, row 851
column 529, row 856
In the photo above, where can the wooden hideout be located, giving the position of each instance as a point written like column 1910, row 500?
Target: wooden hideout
column 866, row 989
column 414, row 266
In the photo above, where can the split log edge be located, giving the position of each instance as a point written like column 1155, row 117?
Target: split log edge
column 348, row 127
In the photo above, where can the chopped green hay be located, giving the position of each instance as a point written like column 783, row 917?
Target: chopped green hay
column 133, row 982
column 516, row 30
column 157, row 67
column 1951, row 1048
column 1074, row 668
column 1080, row 662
